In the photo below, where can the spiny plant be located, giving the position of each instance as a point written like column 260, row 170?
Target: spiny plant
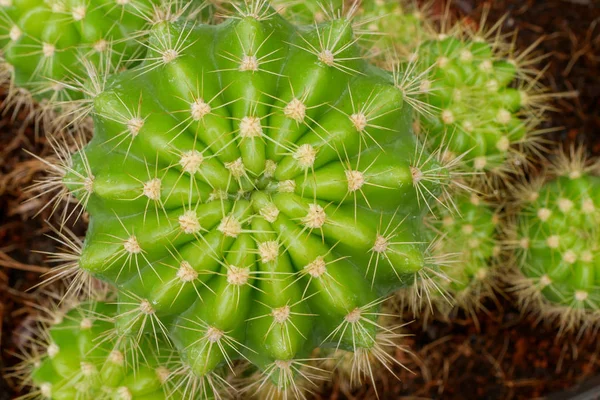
column 308, row 11
column 43, row 42
column 71, row 355
column 468, row 237
column 255, row 190
column 387, row 24
column 555, row 241
column 475, row 91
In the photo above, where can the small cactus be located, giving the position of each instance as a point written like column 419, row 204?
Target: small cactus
column 475, row 92
column 465, row 239
column 255, row 190
column 74, row 357
column 45, row 44
column 556, row 243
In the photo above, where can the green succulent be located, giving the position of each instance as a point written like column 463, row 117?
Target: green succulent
column 255, row 191
column 78, row 357
column 556, row 244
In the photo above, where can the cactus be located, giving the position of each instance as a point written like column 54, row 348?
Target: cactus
column 391, row 24
column 476, row 93
column 255, row 190
column 43, row 60
column 467, row 237
column 74, row 357
column 555, row 242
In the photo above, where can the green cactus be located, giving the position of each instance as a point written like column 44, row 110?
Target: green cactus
column 75, row 357
column 388, row 25
column 556, row 244
column 44, row 41
column 464, row 237
column 255, row 190
column 476, row 93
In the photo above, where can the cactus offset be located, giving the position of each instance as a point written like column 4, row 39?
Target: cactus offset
column 257, row 188
column 556, row 244
column 475, row 92
column 466, row 243
column 74, row 357
column 46, row 44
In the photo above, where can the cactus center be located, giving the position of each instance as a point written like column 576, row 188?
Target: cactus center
column 188, row 222
column 296, row 110
column 249, row 63
column 250, row 127
column 268, row 251
column 315, row 218
column 132, row 246
column 238, row 276
column 280, row 315
column 186, row 273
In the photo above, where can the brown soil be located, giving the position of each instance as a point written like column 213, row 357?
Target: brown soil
column 509, row 357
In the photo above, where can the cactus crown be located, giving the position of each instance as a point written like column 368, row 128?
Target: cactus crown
column 255, row 191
